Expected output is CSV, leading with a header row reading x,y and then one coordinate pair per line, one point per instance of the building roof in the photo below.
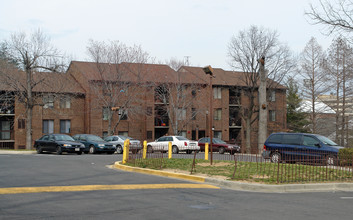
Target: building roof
x,y
159,73
320,107
44,82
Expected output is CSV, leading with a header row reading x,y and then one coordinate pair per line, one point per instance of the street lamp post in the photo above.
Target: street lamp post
x,y
209,71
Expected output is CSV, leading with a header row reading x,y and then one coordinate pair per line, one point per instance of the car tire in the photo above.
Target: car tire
x,y
175,149
149,149
221,150
79,153
331,160
188,151
92,149
275,157
119,149
39,150
58,151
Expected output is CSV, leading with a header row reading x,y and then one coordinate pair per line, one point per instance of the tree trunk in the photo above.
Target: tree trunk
x,y
29,129
262,109
248,134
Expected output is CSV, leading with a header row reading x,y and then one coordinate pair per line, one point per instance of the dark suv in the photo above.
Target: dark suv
x,y
300,147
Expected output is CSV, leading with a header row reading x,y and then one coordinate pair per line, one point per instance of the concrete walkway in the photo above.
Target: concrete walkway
x,y
17,152
242,186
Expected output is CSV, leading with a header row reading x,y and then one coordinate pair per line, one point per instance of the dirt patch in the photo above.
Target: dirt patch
x,y
195,174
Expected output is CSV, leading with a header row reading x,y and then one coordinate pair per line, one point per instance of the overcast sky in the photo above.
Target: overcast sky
x,y
198,29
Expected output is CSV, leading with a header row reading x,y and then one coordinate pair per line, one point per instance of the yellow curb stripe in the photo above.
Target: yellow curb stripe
x,y
159,173
16,190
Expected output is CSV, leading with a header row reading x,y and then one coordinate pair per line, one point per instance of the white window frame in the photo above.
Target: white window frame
x,y
181,114
65,126
217,114
272,97
50,126
272,115
65,102
48,101
217,92
217,134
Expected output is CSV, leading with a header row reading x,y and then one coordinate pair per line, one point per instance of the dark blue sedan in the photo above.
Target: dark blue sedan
x,y
58,143
95,144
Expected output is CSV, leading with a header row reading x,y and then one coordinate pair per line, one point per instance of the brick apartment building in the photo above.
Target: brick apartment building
x,y
160,101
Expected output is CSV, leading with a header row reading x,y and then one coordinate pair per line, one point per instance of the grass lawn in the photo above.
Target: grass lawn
x,y
269,173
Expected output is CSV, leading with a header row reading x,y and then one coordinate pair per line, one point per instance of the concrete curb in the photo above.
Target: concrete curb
x,y
17,152
253,187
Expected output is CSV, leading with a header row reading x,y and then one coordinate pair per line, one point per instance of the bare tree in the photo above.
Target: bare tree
x,y
335,16
244,51
118,81
340,70
312,63
32,53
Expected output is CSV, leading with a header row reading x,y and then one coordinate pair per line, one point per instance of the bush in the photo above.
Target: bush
x,y
346,156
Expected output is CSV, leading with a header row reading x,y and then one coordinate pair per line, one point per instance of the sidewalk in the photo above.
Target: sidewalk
x,y
17,152
243,186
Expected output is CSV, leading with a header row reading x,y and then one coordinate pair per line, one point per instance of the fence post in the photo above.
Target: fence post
x,y
170,150
144,149
206,151
126,151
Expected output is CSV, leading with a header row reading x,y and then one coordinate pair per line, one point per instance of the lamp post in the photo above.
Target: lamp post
x,y
209,71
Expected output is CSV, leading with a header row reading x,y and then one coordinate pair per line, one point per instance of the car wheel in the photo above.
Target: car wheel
x,y
79,153
39,150
58,150
331,160
221,150
149,149
175,150
119,149
188,151
275,157
92,149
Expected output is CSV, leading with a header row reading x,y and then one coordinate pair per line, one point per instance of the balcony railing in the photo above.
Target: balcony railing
x,y
234,100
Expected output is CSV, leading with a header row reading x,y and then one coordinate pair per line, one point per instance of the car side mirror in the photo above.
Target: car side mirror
x,y
317,145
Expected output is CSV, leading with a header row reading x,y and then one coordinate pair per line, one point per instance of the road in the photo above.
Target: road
x,y
49,170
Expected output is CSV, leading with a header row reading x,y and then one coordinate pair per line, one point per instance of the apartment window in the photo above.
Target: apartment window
x,y
217,114
123,114
272,96
149,111
193,93
48,101
217,93
272,115
48,126
217,134
181,114
123,133
193,114
5,130
65,102
149,134
65,126
105,113
182,133
21,123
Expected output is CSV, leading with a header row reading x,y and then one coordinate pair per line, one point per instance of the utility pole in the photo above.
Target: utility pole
x,y
262,105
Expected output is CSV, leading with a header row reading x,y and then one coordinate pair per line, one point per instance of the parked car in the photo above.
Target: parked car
x,y
118,141
219,146
58,143
179,144
95,144
301,147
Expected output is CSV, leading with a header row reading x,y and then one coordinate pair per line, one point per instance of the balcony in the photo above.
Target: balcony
x,y
162,122
234,100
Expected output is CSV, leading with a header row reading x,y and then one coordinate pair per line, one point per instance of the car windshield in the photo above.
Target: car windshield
x,y
218,141
126,137
94,138
326,141
63,138
180,138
